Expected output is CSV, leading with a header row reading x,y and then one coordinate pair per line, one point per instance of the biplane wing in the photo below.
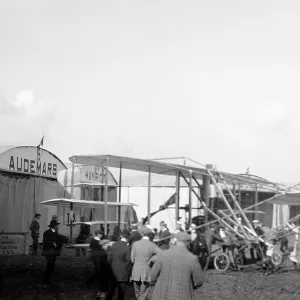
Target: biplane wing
x,y
159,167
98,222
245,211
83,203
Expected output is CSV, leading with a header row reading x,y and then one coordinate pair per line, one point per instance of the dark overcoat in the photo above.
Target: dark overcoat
x,y
119,259
51,243
177,273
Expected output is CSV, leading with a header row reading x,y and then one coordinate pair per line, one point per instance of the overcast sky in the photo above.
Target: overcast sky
x,y
216,81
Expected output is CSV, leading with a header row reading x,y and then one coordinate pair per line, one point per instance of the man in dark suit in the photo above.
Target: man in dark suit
x,y
51,249
163,234
177,272
135,235
119,258
35,233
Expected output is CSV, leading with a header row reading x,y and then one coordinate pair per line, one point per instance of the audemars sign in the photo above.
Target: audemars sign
x,y
24,160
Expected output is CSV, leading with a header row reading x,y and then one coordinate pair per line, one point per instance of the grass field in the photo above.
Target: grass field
x,y
22,276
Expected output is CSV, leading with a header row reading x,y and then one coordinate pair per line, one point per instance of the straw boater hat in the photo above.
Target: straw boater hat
x,y
37,215
256,222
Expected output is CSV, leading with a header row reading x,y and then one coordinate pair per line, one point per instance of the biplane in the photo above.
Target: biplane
x,y
195,178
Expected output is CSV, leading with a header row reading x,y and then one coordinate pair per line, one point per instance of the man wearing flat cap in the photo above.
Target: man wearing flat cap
x,y
51,249
162,235
35,233
141,254
177,272
119,259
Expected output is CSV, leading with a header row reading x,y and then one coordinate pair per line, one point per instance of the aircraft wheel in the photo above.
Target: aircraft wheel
x,y
221,262
277,259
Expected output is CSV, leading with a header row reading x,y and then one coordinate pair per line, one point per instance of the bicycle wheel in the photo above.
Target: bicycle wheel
x,y
277,259
221,262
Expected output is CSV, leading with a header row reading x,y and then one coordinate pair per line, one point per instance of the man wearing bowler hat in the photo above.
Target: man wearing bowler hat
x,y
162,235
51,249
176,272
35,233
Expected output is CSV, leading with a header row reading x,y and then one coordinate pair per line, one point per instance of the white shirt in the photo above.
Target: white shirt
x,y
145,238
53,229
97,238
123,240
164,229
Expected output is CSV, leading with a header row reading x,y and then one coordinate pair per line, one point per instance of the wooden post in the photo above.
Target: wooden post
x,y
190,198
255,201
72,197
120,194
149,195
234,193
106,197
177,184
226,202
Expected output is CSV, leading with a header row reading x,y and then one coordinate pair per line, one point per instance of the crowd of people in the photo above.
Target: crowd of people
x,y
157,270
169,268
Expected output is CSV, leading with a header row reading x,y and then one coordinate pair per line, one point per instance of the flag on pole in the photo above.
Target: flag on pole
x,y
248,170
38,156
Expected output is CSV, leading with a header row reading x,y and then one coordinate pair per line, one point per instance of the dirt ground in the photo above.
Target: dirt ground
x,y
22,276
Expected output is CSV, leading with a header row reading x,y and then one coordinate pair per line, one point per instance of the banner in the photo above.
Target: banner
x,y
14,244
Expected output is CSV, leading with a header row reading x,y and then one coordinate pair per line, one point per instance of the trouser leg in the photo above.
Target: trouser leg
x,y
49,269
137,289
144,290
35,242
121,290
112,289
83,251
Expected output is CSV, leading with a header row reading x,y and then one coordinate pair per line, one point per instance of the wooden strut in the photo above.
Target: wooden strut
x,y
211,212
120,196
72,197
226,202
237,205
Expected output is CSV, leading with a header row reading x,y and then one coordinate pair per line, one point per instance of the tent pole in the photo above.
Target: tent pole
x,y
149,194
120,194
190,199
177,197
72,197
106,197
